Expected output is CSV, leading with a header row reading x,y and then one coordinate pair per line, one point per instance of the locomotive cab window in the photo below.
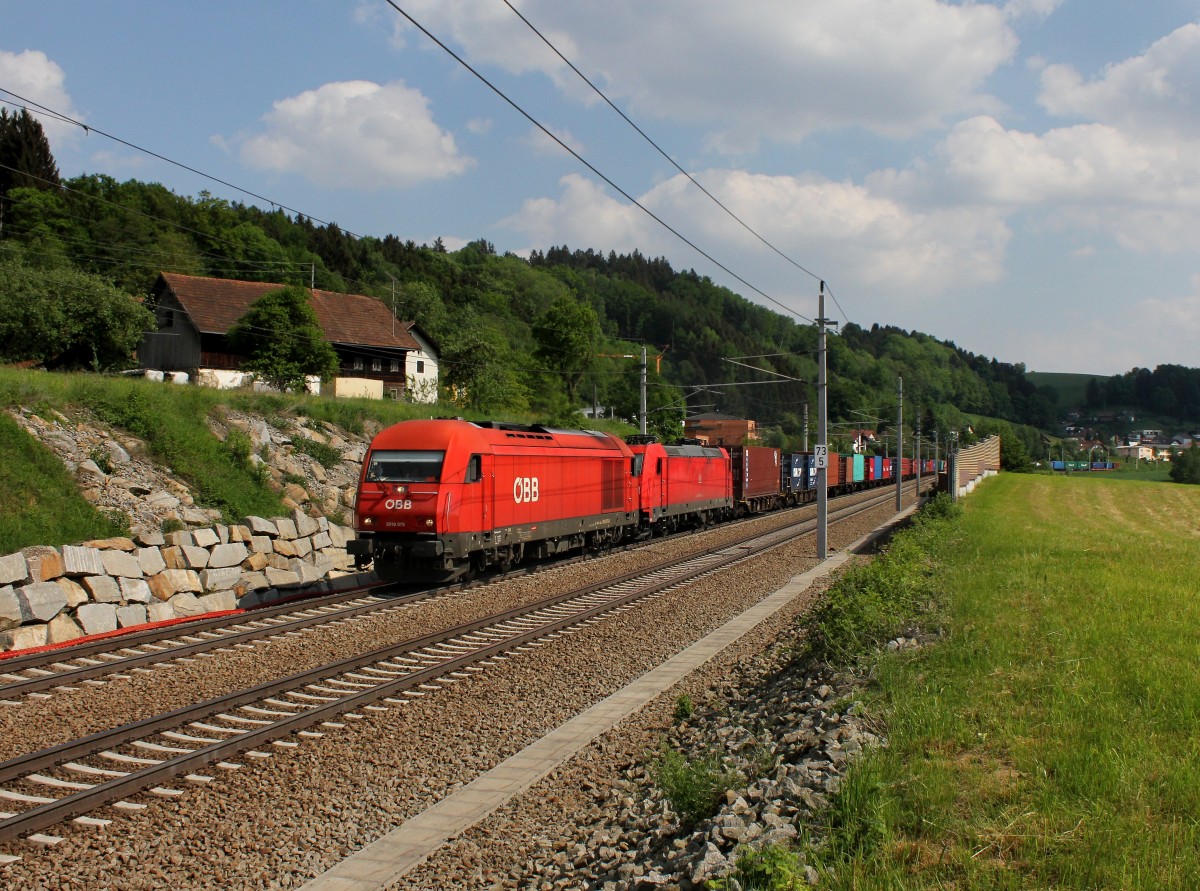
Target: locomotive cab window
x,y
636,463
475,469
404,467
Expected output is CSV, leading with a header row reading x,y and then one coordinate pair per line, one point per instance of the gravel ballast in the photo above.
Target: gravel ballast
x,y
277,822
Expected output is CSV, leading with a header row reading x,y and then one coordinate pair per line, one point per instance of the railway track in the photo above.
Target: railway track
x,y
73,780
40,674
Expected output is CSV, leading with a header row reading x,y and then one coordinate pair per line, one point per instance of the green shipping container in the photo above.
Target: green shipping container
x,y
860,468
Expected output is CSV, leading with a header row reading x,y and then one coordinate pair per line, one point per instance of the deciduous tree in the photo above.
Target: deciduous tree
x,y
282,337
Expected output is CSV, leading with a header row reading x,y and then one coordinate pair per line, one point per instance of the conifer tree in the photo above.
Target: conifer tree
x,y
25,157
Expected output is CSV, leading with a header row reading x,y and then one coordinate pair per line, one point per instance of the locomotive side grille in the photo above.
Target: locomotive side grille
x,y
612,485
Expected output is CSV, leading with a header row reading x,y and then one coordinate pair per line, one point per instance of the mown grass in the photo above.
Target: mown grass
x,y
1053,739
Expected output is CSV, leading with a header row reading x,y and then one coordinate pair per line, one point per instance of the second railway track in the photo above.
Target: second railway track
x,y
107,767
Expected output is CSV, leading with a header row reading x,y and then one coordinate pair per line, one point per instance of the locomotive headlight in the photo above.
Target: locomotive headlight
x,y
399,490
368,521
429,522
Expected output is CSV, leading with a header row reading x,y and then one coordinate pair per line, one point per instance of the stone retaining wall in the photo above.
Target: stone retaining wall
x,y
50,595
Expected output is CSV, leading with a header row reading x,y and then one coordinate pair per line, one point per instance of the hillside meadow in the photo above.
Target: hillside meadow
x,y
1052,739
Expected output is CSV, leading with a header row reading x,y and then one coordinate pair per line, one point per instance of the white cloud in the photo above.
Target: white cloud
x,y
1171,325
1092,177
541,144
761,69
850,235
1156,94
1022,9
34,76
356,134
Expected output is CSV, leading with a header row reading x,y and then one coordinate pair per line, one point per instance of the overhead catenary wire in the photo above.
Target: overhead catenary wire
x,y
666,155
613,185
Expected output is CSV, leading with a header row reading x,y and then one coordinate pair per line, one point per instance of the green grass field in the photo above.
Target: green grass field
x,y
1053,739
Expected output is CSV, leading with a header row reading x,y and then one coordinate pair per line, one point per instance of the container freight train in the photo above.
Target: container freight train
x,y
442,499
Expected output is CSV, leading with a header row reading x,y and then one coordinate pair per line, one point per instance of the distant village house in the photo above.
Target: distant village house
x,y
378,355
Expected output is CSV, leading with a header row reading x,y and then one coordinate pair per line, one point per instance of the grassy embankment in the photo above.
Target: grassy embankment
x,y
1053,739
39,501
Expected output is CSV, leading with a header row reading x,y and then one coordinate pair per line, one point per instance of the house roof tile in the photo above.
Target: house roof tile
x,y
214,304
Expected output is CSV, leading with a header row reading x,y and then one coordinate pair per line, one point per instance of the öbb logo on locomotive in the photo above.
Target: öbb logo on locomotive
x,y
525,489
398,504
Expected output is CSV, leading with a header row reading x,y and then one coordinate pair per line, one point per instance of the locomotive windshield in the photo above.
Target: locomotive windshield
x,y
404,467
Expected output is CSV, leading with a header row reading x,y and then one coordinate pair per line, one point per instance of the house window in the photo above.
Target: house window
x,y
420,367
358,364
376,365
169,319
395,366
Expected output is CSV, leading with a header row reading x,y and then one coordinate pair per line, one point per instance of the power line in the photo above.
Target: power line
x,y
658,148
89,129
628,197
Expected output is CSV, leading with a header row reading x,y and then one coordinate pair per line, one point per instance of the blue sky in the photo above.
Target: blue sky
x,y
1020,177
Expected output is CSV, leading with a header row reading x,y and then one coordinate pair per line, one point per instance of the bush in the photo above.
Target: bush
x,y
326,455
694,788
684,707
774,868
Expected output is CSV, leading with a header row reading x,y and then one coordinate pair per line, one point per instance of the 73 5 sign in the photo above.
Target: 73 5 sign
x,y
821,456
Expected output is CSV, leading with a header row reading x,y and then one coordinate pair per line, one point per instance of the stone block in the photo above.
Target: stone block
x,y
157,611
135,590
194,557
260,526
82,560
255,562
40,602
282,578
305,525
75,593
303,546
240,533
10,609
131,615
186,604
287,528
45,563
218,601
14,569
285,547
111,544
321,540
180,538
261,544
277,561
251,581
62,628
305,570
218,579
170,582
24,638
222,533
97,618
151,561
102,588
120,563
173,557
205,538
150,538
227,555
322,563
337,535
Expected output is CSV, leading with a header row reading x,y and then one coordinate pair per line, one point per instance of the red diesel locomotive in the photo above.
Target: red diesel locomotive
x,y
442,499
